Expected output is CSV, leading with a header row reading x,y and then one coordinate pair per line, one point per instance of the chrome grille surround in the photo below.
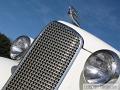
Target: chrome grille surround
x,y
48,60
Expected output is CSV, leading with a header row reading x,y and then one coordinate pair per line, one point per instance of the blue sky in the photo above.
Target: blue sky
x,y
28,17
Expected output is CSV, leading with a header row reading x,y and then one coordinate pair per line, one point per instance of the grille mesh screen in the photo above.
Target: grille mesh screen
x,y
47,60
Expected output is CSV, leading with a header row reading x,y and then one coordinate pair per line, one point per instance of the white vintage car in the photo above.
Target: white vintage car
x,y
63,57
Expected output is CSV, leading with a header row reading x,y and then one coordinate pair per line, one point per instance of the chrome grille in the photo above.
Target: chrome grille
x,y
47,60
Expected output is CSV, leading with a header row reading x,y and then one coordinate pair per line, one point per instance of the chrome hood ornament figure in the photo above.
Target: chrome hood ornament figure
x,y
73,14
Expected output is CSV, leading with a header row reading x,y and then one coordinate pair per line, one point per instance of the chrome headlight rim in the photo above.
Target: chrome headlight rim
x,y
115,65
14,44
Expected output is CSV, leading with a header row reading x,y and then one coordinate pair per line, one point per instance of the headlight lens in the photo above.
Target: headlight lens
x,y
101,67
19,47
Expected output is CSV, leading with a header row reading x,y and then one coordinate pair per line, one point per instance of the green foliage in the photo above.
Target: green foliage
x,y
5,44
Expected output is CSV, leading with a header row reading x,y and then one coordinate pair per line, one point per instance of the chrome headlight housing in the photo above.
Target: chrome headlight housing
x,y
101,67
20,46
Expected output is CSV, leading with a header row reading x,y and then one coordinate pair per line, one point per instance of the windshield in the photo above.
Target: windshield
x,y
28,17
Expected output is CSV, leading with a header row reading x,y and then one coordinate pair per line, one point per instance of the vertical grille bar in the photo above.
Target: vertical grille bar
x,y
47,60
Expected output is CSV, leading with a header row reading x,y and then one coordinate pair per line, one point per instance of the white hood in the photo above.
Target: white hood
x,y
5,69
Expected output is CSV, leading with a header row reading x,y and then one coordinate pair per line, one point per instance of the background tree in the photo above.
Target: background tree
x,y
5,44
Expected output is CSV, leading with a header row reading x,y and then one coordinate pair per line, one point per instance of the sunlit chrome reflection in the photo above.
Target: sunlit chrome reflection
x,y
20,46
101,67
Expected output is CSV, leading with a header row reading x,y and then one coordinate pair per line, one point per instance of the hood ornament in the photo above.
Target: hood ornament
x,y
73,15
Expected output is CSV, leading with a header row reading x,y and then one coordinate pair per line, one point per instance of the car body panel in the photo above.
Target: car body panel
x,y
74,79
91,42
5,69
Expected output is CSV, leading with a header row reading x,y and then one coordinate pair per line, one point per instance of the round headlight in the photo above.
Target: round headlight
x,y
101,67
20,46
